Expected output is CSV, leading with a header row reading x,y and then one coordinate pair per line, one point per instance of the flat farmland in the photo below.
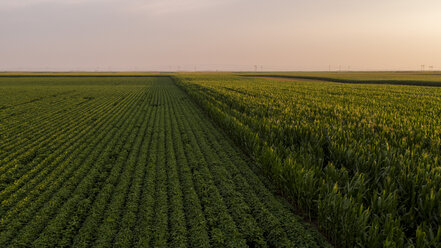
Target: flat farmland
x,y
129,162
423,78
358,152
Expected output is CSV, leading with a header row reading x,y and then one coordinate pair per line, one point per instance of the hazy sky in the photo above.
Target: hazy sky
x,y
219,34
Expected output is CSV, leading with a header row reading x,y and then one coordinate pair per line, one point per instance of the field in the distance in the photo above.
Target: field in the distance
x,y
128,162
426,78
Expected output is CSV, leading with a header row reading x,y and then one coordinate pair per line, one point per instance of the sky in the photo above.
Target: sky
x,y
234,35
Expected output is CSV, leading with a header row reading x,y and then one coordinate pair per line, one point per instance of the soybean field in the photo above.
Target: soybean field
x,y
118,161
358,152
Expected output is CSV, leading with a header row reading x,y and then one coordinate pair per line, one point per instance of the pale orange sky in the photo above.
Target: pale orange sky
x,y
219,34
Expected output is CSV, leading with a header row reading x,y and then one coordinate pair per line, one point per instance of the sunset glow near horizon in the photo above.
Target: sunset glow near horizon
x,y
170,35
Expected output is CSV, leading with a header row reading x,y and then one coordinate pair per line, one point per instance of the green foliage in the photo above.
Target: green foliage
x,y
128,162
362,159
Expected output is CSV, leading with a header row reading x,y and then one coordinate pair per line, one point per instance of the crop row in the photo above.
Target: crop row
x,y
231,217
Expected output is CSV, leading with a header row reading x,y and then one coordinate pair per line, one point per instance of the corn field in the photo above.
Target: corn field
x,y
364,160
